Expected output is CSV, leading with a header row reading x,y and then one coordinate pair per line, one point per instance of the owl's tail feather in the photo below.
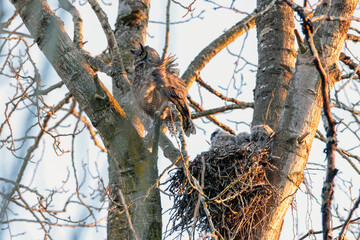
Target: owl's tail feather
x,y
184,110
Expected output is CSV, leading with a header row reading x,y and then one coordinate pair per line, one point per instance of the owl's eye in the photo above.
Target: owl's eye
x,y
143,54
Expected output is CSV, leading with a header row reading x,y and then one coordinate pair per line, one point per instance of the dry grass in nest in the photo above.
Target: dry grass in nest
x,y
235,192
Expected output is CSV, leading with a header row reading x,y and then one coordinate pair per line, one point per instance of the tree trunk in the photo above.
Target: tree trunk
x,y
301,113
133,177
275,34
132,169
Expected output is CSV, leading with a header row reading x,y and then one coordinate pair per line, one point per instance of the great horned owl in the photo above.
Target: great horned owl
x,y
221,138
243,138
260,133
156,83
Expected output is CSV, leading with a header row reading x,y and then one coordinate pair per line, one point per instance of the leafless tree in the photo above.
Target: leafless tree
x,y
307,68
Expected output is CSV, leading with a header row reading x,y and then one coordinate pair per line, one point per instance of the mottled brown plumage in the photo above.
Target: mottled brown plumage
x,y
156,83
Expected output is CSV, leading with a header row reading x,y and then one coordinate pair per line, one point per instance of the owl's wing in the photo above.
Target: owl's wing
x,y
174,90
169,84
146,92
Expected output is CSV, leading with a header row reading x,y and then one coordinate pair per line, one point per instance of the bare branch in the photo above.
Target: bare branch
x,y
167,30
21,186
127,214
197,107
188,8
353,38
213,91
77,20
346,155
348,219
351,64
220,43
312,232
332,18
225,108
49,89
110,36
90,128
29,154
17,33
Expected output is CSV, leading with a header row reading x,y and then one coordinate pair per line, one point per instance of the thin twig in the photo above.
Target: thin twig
x,y
197,107
29,154
350,63
312,232
114,48
216,93
225,108
220,43
167,30
348,219
90,128
22,186
127,214
346,155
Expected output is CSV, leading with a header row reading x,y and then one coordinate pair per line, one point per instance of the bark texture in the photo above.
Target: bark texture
x,y
301,113
275,34
131,167
134,178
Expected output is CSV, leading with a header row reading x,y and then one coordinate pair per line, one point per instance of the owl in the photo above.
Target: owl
x,y
221,138
261,133
243,138
156,83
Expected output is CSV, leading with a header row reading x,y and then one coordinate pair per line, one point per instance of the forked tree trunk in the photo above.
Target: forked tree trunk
x,y
301,112
276,61
134,177
293,109
131,168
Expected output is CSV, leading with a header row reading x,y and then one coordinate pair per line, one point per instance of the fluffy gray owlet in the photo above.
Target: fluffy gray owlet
x,y
220,138
243,138
156,83
260,133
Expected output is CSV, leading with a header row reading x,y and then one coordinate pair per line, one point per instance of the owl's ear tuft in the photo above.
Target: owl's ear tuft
x,y
141,46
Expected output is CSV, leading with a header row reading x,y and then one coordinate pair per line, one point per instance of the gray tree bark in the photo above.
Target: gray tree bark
x,y
132,169
301,111
293,109
276,54
134,178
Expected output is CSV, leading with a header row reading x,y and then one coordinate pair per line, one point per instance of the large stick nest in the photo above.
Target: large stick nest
x,y
235,192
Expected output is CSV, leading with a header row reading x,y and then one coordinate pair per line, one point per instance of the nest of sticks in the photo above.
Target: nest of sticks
x,y
229,196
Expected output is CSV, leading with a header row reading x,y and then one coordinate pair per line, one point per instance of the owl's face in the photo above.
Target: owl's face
x,y
145,54
214,134
220,138
261,133
243,138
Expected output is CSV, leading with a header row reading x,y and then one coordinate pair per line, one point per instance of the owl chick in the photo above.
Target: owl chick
x,y
243,138
156,83
221,138
260,133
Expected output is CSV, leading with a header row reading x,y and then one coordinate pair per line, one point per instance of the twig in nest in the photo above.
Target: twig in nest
x,y
234,192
